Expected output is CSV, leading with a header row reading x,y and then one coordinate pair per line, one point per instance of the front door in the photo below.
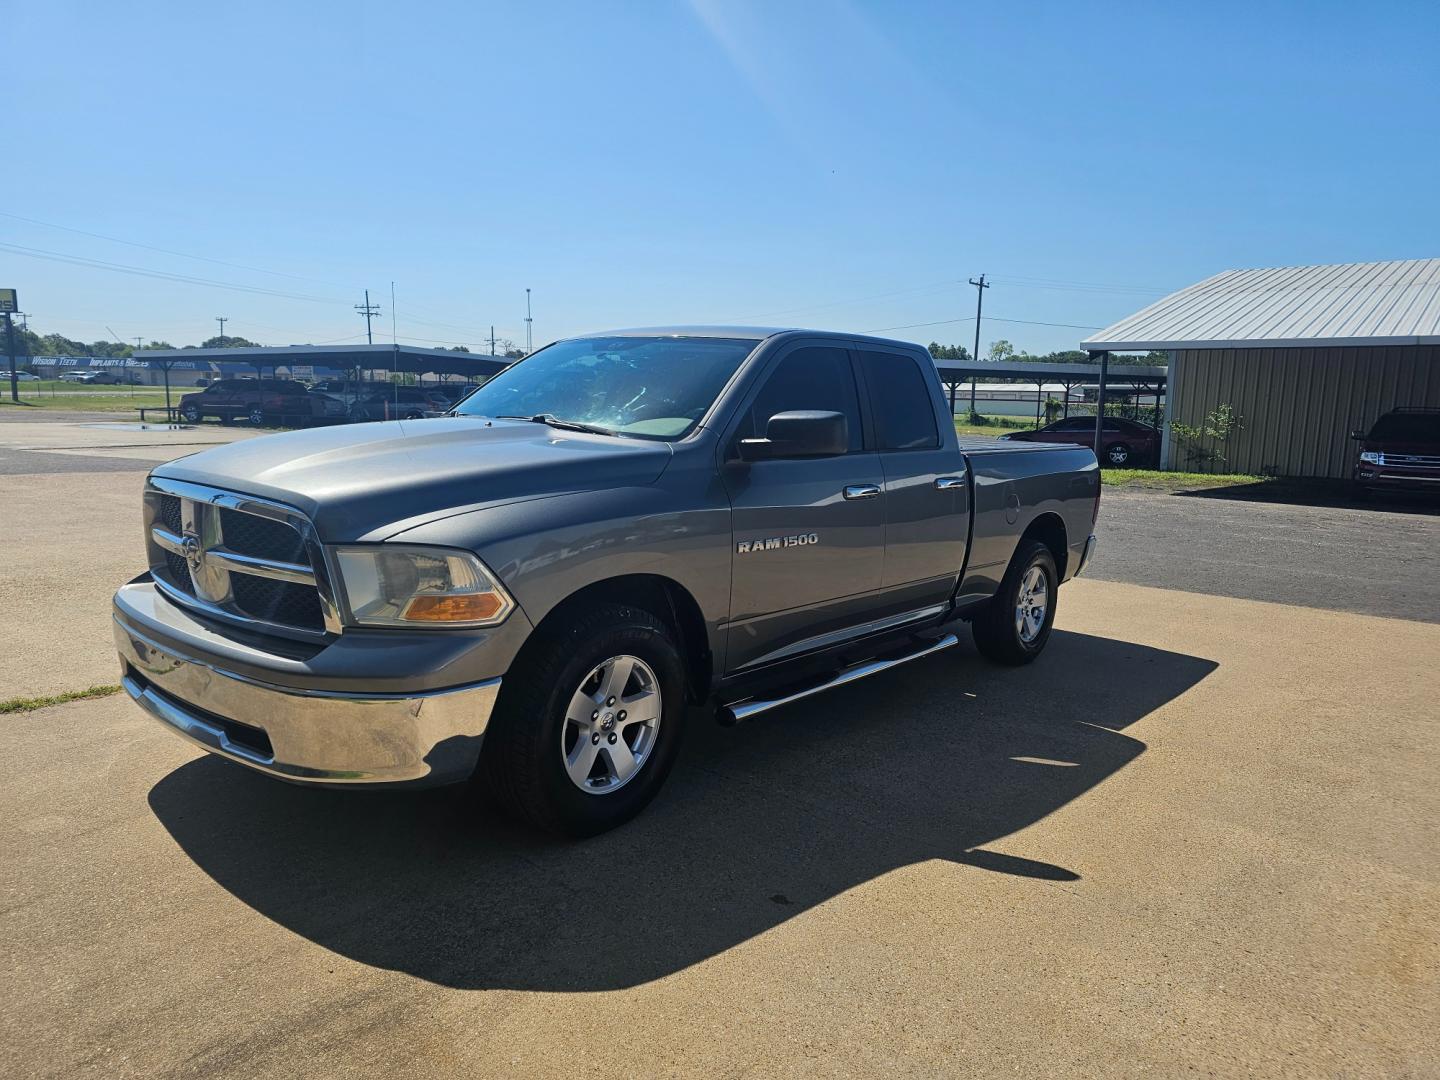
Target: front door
x,y
808,535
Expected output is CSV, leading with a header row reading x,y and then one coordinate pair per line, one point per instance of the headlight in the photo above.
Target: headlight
x,y
403,585
1373,457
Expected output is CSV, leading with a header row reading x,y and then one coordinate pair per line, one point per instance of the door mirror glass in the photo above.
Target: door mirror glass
x,y
799,434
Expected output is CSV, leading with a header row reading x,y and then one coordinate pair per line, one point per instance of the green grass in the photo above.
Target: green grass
x,y
1153,480
29,704
121,400
996,425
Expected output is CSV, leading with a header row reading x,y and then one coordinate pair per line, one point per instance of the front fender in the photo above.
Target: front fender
x,y
548,549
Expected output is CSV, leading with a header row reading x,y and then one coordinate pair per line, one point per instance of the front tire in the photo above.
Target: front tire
x,y
588,723
257,415
1016,624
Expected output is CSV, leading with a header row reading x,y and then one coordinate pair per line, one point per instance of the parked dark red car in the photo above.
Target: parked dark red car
x,y
260,401
1122,442
1400,451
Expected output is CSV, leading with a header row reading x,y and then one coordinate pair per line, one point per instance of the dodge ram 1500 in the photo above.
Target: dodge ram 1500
x,y
533,593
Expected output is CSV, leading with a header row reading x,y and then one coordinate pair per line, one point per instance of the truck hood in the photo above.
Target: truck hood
x,y
370,481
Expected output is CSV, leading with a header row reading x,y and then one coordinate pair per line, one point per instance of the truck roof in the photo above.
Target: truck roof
x,y
756,333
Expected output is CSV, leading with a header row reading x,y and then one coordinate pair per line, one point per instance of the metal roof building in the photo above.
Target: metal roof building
x,y
1304,354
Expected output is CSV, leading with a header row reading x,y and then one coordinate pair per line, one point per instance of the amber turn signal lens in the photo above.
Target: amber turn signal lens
x,y
464,607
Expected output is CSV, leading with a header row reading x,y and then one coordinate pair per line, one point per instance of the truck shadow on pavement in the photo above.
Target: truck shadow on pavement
x,y
942,759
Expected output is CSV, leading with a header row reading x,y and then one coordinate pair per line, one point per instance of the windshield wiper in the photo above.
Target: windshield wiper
x,y
567,425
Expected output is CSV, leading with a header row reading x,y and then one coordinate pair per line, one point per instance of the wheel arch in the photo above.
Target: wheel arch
x,y
1049,529
663,597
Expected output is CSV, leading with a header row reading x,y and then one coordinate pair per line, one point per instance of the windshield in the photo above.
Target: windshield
x,y
651,387
1417,427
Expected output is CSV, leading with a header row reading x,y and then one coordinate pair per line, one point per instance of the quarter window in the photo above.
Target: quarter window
x,y
900,400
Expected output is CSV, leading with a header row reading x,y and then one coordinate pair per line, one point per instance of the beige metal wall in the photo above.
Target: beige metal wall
x,y
1298,406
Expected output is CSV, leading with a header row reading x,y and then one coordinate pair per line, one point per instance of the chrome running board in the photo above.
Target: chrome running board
x,y
733,714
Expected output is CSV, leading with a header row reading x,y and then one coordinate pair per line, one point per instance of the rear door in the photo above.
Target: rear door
x,y
808,534
927,497
221,395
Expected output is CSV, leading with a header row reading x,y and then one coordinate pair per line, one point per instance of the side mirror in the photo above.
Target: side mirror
x,y
1358,436
799,434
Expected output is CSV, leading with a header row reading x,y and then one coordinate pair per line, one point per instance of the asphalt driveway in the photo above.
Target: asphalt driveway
x,y
1381,558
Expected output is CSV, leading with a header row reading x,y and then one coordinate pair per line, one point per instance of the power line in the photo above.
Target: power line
x,y
163,275
855,300
167,251
971,318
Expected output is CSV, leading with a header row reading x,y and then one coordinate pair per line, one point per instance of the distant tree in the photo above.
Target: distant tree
x,y
109,348
949,352
459,348
28,343
513,353
228,342
1001,351
60,345
159,345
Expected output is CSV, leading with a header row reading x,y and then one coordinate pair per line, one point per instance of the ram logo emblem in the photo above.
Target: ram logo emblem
x,y
773,543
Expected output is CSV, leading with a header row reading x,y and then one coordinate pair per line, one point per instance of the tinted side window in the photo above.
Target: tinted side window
x,y
900,400
808,379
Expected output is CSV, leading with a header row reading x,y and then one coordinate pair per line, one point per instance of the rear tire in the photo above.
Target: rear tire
x,y
532,737
1118,454
191,414
1008,631
257,415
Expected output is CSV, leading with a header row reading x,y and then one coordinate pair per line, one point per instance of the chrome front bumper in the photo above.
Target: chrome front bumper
x,y
320,737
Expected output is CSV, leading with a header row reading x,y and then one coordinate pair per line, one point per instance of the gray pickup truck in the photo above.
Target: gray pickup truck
x,y
533,593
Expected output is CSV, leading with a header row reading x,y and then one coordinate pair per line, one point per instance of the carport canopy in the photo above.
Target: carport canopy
x,y
405,359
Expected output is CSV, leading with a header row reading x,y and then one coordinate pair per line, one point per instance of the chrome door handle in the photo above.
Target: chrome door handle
x,y
861,491
949,483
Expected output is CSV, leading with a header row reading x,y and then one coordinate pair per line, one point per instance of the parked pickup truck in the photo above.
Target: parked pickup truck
x,y
533,593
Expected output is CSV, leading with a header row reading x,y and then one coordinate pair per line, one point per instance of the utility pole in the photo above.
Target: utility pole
x,y
10,350
369,310
980,287
222,320
139,343
492,340
529,343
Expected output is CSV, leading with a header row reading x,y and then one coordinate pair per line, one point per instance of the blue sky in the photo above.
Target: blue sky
x,y
832,163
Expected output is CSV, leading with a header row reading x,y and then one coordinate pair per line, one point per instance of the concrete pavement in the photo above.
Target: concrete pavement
x,y
1200,835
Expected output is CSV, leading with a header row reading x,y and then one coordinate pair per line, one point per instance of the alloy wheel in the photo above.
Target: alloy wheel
x,y
1033,603
611,725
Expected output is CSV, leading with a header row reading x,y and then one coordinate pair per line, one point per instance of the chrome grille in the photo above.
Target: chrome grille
x,y
235,557
1410,461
